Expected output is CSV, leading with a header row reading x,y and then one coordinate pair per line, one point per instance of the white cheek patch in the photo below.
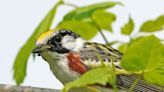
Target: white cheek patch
x,y
67,39
68,42
72,44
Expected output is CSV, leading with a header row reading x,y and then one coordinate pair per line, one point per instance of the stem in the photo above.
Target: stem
x,y
134,83
13,88
114,76
72,5
102,34
99,29
135,35
131,39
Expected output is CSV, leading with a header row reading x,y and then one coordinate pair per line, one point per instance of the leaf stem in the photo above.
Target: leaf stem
x,y
134,83
102,34
99,29
72,5
114,77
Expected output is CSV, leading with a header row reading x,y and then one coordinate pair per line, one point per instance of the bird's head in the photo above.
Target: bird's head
x,y
60,41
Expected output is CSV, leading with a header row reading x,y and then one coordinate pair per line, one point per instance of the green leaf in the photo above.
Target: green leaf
x,y
153,25
103,75
84,29
123,47
104,19
128,28
156,76
86,11
20,63
144,54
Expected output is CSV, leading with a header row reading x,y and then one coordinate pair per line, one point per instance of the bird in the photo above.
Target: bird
x,y
70,56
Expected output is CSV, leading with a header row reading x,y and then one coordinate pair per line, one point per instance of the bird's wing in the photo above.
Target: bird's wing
x,y
90,56
93,53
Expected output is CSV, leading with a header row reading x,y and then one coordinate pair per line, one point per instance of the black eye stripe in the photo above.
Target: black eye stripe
x,y
55,41
61,33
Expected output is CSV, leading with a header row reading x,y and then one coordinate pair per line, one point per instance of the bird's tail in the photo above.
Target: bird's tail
x,y
126,81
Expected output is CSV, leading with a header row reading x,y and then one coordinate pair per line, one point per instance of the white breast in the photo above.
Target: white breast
x,y
59,66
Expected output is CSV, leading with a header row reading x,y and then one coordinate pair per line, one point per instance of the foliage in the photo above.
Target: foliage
x,y
24,52
103,76
85,12
123,47
147,59
83,29
142,55
153,25
128,28
104,19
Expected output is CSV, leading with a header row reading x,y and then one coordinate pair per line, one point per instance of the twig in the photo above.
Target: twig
x,y
99,29
114,75
102,34
134,83
12,88
72,5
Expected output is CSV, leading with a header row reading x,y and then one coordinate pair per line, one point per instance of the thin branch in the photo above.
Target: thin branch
x,y
99,29
102,34
135,83
12,88
114,75
72,5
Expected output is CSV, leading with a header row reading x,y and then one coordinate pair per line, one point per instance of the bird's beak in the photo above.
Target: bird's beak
x,y
41,48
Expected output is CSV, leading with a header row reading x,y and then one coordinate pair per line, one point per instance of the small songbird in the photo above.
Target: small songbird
x,y
69,55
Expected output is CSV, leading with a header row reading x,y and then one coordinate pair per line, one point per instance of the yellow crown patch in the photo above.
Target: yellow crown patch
x,y
44,37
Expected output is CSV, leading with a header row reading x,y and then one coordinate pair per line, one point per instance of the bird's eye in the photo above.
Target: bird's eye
x,y
54,40
57,38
